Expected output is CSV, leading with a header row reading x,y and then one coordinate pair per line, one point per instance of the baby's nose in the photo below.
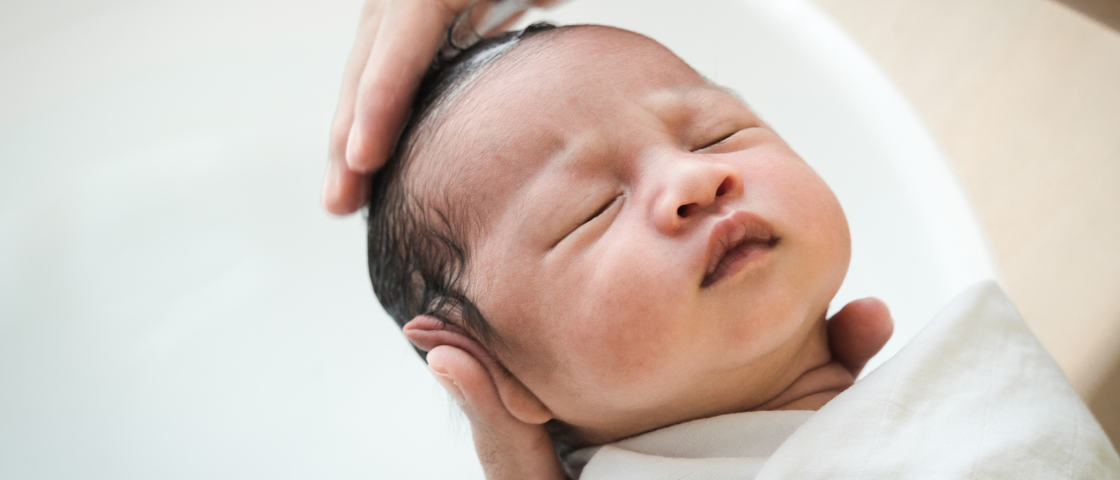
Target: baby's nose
x,y
694,188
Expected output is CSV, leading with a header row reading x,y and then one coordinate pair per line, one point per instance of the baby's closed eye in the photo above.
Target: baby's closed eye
x,y
718,139
595,222
602,209
737,140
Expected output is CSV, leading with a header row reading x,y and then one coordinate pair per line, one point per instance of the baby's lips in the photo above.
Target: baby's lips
x,y
732,232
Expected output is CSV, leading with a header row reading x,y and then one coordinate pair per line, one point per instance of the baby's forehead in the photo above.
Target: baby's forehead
x,y
538,103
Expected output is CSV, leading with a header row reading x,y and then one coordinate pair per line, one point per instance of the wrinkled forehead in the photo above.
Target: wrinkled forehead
x,y
530,109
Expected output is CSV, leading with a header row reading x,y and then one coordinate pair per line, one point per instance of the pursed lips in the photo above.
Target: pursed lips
x,y
736,241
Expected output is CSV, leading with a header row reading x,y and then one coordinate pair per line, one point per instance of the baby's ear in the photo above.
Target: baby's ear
x,y
427,333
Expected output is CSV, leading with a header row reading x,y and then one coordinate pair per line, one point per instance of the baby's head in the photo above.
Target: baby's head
x,y
632,243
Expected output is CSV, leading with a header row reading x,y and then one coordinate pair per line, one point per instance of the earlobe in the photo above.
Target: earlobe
x,y
427,332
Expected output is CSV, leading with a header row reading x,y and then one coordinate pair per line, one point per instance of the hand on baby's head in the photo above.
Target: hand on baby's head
x,y
632,245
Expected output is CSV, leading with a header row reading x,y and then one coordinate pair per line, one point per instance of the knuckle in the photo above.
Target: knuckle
x,y
447,9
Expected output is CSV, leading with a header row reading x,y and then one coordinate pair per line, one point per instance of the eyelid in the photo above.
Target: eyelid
x,y
718,140
602,209
598,213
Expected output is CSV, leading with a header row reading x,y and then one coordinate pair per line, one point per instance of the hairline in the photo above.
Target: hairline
x,y
438,219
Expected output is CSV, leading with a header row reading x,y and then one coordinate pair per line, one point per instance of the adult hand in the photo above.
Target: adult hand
x,y
858,331
510,448
396,42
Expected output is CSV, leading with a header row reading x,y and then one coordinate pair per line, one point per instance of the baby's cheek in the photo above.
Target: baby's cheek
x,y
628,326
613,366
804,208
811,201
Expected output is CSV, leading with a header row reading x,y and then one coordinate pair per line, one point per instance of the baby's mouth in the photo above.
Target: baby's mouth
x,y
736,242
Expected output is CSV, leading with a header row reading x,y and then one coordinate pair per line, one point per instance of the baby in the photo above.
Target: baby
x,y
630,241
630,244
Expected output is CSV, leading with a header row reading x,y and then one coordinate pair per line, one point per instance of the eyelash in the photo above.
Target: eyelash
x,y
602,209
718,141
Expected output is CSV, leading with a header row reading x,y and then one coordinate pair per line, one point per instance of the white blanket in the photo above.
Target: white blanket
x,y
974,395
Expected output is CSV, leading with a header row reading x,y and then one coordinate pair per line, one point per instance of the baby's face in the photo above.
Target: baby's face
x,y
646,248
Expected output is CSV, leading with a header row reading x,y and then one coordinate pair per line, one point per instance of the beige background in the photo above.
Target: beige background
x,y
1024,96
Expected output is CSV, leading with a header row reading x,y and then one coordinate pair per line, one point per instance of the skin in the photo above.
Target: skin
x,y
597,171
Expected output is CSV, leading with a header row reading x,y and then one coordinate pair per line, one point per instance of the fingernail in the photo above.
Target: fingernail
x,y
352,148
449,383
331,185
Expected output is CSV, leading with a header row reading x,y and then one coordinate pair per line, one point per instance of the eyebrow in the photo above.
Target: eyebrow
x,y
695,99
711,84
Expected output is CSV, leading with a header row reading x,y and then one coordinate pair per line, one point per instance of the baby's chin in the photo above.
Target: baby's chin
x,y
799,375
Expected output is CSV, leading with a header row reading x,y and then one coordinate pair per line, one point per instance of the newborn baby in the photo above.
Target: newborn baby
x,y
630,241
630,244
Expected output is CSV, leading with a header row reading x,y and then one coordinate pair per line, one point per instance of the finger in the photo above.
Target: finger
x,y
344,190
858,331
504,25
428,332
509,22
472,385
355,64
409,35
506,447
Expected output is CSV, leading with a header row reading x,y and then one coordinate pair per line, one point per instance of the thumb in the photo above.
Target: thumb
x,y
470,383
858,331
507,447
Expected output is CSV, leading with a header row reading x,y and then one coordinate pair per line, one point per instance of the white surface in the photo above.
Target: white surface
x,y
174,303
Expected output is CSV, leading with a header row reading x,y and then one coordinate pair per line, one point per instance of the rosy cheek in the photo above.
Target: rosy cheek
x,y
615,362
627,324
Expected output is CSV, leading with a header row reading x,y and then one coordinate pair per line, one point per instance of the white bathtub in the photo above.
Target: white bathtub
x,y
175,304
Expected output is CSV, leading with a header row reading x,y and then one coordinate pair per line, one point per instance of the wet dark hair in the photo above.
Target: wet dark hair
x,y
417,256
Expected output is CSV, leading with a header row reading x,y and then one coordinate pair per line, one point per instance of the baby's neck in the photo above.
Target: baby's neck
x,y
812,389
821,379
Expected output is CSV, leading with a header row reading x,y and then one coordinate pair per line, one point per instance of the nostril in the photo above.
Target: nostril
x,y
682,211
723,187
